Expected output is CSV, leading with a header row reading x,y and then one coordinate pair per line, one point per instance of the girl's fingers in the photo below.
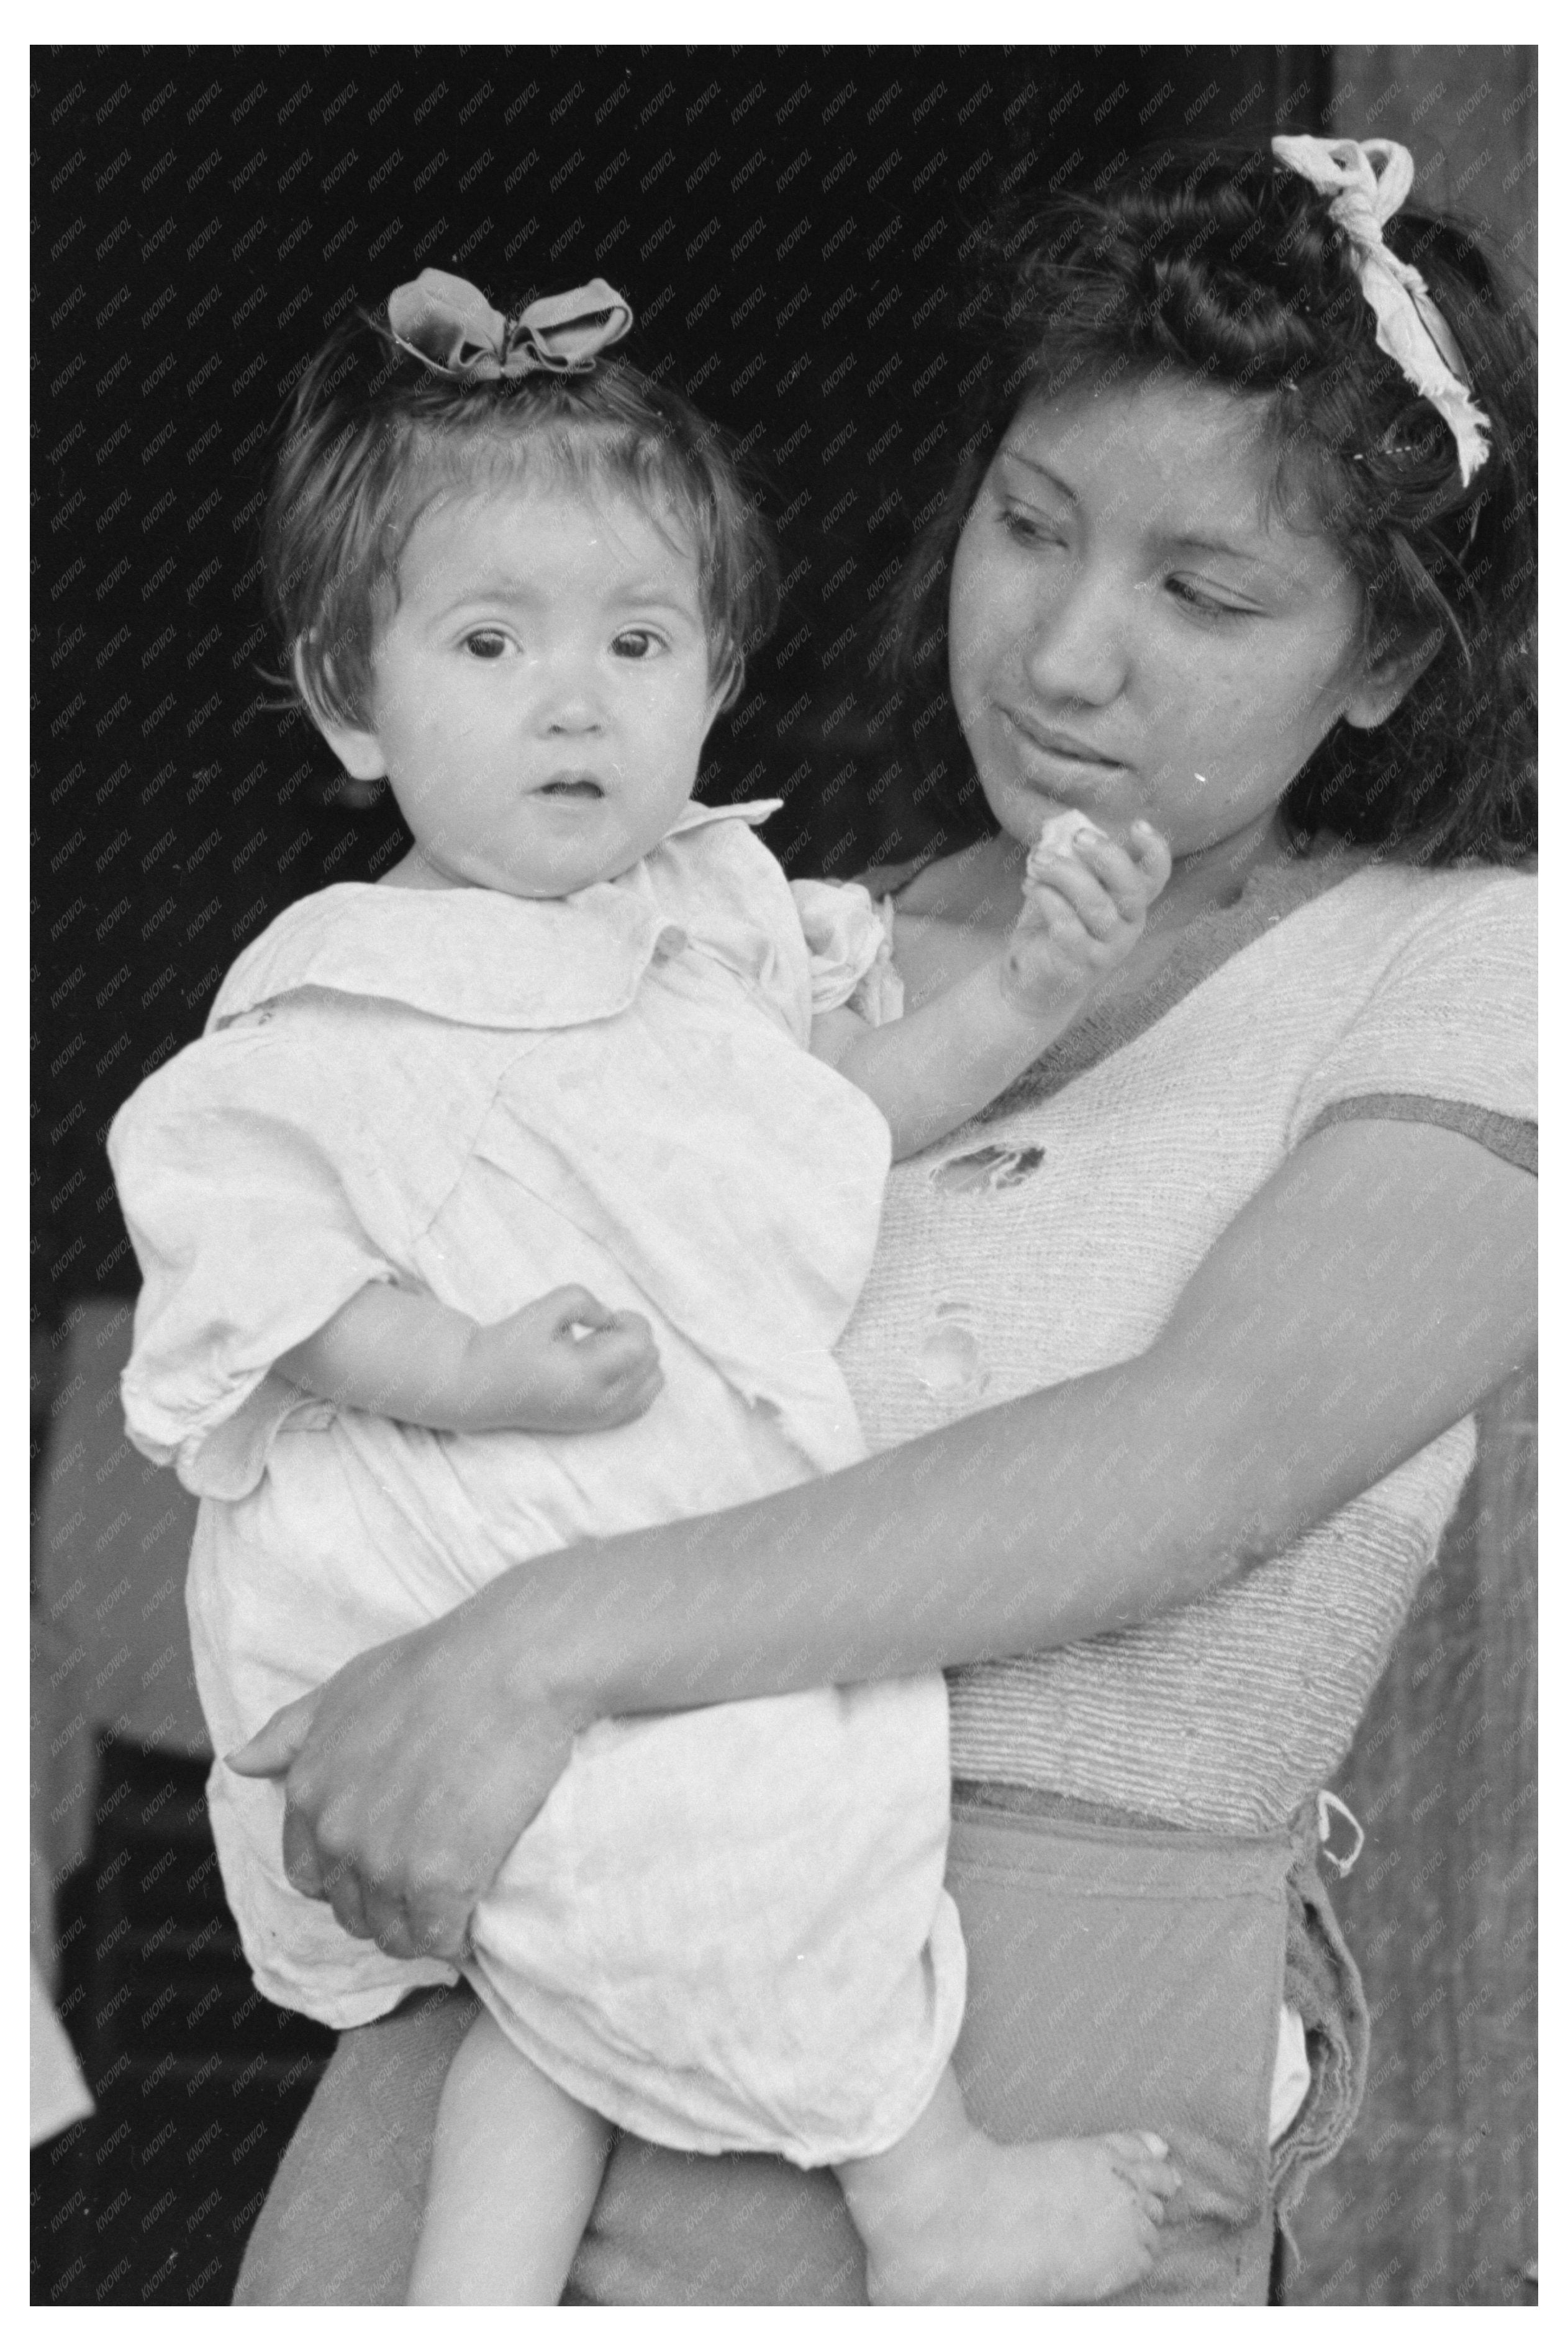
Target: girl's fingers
x,y
301,1860
575,1304
1152,851
1125,873
1048,908
620,1375
641,1352
344,1892
1083,891
618,1350
427,1930
390,1927
632,1405
269,1755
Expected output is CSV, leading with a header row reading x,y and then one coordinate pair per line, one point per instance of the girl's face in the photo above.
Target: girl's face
x,y
1133,633
541,692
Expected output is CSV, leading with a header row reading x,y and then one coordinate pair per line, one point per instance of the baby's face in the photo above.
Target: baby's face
x,y
541,692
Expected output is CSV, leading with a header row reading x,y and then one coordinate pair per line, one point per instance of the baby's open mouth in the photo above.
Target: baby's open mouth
x,y
574,787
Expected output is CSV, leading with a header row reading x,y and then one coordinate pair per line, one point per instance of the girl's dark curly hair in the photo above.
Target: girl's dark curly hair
x,y
375,436
1225,267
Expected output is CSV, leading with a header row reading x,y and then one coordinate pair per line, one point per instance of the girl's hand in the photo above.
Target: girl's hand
x,y
1083,912
562,1365
409,1777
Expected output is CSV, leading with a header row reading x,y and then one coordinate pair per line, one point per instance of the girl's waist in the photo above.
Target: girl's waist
x,y
1015,1797
1046,1833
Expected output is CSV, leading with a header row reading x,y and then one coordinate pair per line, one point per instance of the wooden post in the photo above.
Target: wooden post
x,y
1433,2199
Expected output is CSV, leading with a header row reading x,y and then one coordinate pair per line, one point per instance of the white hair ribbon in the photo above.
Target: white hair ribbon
x,y
1368,180
448,324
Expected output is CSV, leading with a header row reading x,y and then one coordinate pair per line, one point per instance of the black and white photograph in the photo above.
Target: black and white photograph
x,y
783,1108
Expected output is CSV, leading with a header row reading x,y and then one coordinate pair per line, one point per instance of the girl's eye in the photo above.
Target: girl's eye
x,y
1194,600
485,644
636,645
1030,529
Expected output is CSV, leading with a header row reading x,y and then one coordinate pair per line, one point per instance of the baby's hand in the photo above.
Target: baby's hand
x,y
562,1366
1085,900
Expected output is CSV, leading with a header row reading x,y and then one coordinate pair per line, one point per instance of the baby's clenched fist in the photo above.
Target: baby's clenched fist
x,y
1086,898
560,1365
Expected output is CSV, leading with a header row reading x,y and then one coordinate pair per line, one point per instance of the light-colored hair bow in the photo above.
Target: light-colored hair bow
x,y
448,324
1368,180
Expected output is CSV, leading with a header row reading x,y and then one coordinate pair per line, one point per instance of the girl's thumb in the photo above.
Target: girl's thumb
x,y
575,1304
1149,847
269,1755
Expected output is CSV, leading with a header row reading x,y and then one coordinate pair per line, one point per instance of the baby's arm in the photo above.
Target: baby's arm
x,y
562,1365
1084,905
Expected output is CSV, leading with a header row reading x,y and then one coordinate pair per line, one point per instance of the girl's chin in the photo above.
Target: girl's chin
x,y
1023,810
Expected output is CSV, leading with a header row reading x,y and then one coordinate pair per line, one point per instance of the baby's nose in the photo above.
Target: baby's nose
x,y
570,704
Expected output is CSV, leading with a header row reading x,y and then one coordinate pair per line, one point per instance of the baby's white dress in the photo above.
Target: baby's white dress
x,y
727,1928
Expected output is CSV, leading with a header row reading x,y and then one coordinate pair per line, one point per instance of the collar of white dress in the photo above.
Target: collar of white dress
x,y
479,958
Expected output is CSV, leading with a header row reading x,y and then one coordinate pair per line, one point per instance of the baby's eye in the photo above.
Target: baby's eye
x,y
637,645
485,644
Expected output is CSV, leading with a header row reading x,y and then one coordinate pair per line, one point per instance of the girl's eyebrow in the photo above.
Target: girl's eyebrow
x,y
1035,467
655,592
1189,541
505,588
502,589
1196,543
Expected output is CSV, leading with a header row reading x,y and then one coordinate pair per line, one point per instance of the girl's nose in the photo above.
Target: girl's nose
x,y
572,714
570,702
1077,648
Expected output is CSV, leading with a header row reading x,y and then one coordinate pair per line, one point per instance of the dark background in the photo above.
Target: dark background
x,y
791,228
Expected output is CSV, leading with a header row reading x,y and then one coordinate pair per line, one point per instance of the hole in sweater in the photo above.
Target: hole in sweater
x,y
992,1168
951,1364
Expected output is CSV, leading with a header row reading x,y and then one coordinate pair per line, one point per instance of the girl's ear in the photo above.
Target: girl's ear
x,y
725,692
356,749
1385,685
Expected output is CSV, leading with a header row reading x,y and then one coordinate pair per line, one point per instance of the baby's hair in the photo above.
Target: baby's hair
x,y
1221,266
375,436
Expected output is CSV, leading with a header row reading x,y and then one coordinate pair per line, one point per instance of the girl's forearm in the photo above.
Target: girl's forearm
x,y
933,1069
1021,1527
1305,1360
388,1351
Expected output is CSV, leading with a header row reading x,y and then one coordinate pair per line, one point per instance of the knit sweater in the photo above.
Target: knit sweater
x,y
1054,1236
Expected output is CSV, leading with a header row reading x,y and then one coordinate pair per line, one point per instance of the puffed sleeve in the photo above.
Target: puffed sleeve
x,y
850,939
1447,1037
249,1235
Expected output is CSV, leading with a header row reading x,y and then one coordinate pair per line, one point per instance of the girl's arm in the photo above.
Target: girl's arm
x,y
561,1364
933,1069
928,1073
1374,1290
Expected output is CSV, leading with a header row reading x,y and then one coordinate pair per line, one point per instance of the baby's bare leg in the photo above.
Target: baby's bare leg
x,y
949,2216
515,2172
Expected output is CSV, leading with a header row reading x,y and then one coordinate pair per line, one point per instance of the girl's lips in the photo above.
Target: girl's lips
x,y
574,787
1056,744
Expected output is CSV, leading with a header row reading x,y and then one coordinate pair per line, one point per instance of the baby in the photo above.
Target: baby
x,y
521,1200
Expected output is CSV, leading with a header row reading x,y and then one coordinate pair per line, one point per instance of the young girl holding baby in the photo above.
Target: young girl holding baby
x,y
520,1200
1242,542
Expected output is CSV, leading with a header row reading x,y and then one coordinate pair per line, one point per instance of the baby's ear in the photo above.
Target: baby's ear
x,y
726,689
356,749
